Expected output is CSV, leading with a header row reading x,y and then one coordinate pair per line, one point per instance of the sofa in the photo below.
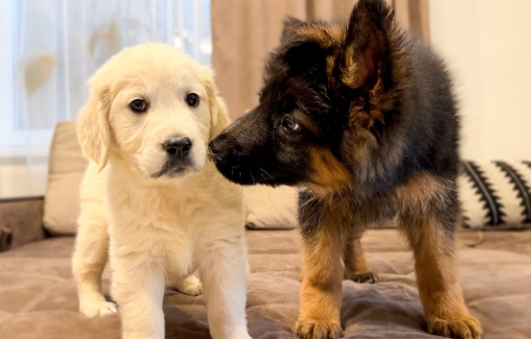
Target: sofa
x,y
38,297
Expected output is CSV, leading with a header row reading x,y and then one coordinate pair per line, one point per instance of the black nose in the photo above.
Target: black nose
x,y
178,148
219,148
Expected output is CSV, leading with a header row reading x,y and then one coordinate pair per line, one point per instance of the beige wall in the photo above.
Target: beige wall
x,y
487,44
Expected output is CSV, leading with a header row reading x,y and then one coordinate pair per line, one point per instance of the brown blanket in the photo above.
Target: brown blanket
x,y
38,298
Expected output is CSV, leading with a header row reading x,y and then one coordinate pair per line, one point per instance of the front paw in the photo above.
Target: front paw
x,y
190,285
313,329
98,308
362,277
464,328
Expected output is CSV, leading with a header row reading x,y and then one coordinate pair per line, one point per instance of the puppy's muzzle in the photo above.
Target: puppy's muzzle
x,y
219,148
178,160
177,148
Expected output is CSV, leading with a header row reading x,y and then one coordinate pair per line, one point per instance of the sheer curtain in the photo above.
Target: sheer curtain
x,y
52,47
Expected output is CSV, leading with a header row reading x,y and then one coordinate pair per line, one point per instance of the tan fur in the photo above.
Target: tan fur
x,y
356,267
439,289
420,191
441,297
336,32
316,33
329,175
321,282
352,75
330,65
326,35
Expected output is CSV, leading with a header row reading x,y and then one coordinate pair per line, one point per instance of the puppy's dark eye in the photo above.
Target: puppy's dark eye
x,y
192,100
138,106
290,124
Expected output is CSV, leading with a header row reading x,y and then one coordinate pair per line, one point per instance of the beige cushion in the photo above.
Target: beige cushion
x,y
271,208
66,169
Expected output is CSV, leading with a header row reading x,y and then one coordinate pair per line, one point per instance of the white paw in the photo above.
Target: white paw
x,y
190,285
98,309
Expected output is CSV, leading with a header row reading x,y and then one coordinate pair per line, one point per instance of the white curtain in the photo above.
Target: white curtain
x,y
52,47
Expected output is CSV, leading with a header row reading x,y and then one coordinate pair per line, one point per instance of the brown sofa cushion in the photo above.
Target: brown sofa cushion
x,y
38,297
66,169
20,222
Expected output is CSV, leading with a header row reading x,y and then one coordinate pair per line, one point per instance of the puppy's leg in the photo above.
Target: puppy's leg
x,y
444,309
322,276
88,263
223,269
356,267
189,285
138,287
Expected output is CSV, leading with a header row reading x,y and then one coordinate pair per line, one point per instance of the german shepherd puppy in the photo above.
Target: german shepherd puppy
x,y
363,119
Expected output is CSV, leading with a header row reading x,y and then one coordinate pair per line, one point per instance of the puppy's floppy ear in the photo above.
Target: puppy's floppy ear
x,y
366,43
93,126
219,118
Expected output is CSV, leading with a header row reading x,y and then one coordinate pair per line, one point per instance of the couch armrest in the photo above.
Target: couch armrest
x,y
20,222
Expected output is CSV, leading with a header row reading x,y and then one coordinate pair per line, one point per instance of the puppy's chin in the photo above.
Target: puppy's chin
x,y
173,171
254,175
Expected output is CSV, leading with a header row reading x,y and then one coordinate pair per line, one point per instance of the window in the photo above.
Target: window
x,y
54,46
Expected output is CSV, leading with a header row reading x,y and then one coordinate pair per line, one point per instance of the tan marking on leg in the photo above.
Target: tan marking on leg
x,y
439,289
422,190
356,267
321,284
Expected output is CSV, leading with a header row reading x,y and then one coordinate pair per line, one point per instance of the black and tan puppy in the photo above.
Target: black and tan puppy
x,y
363,118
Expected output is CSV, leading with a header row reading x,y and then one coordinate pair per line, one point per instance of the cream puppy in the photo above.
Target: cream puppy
x,y
152,200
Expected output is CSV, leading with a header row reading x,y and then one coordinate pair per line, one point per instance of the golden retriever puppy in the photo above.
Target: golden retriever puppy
x,y
152,200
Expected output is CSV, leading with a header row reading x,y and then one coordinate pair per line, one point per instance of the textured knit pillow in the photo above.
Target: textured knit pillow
x,y
495,195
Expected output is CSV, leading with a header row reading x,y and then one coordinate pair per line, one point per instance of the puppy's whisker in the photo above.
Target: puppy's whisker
x,y
252,177
269,175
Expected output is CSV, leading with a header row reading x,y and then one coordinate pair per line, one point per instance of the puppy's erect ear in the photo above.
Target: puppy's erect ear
x,y
366,43
93,126
219,118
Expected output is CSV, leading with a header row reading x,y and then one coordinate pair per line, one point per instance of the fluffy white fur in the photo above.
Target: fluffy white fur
x,y
157,231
